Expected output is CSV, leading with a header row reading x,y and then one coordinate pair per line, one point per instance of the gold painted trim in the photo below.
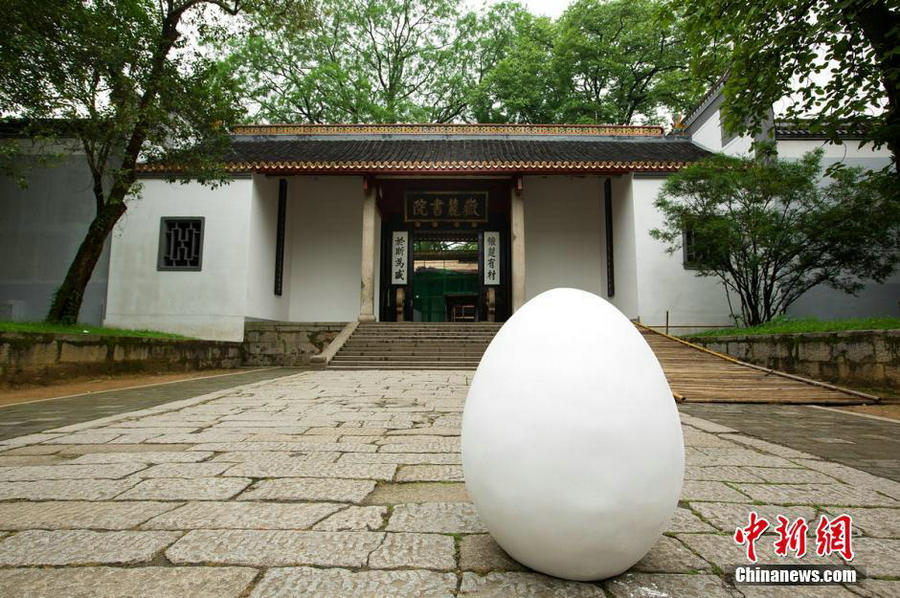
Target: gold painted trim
x,y
422,166
449,129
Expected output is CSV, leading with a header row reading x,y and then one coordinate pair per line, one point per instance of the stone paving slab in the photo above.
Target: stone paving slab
x,y
777,475
82,547
275,457
802,592
419,551
669,555
694,490
430,473
685,520
644,585
79,515
877,588
68,472
327,489
150,457
186,489
270,548
65,489
284,469
421,492
728,516
445,518
184,470
875,522
9,460
881,556
481,554
816,494
342,583
403,458
722,474
69,450
246,515
295,446
524,585
111,582
354,519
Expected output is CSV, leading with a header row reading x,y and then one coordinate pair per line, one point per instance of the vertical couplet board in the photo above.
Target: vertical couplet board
x,y
490,265
400,258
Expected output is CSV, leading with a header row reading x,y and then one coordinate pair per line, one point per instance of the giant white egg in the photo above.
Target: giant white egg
x,y
571,443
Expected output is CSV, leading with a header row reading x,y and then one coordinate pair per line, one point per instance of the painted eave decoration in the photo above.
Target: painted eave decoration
x,y
452,149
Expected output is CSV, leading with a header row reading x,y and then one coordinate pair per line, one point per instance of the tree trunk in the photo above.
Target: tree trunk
x,y
67,300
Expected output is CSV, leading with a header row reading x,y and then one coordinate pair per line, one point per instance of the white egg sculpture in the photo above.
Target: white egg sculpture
x,y
571,442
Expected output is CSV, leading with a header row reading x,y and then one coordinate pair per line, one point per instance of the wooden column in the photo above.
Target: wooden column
x,y
367,285
517,230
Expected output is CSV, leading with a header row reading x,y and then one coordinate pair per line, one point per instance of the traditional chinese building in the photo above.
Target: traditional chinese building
x,y
335,223
403,222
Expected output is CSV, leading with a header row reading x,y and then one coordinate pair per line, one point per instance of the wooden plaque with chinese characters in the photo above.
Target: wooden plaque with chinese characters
x,y
400,258
491,256
445,206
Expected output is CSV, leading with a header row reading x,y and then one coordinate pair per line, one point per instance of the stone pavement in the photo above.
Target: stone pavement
x,y
17,419
865,443
341,484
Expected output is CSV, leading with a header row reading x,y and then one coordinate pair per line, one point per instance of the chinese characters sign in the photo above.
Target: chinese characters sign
x,y
400,257
833,536
446,206
491,257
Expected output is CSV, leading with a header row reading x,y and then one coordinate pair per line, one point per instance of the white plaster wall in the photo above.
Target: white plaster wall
x,y
662,281
208,304
739,146
325,214
624,252
849,152
262,302
709,134
564,234
41,228
824,302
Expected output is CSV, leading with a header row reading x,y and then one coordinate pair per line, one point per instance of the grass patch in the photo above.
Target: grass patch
x,y
82,329
795,326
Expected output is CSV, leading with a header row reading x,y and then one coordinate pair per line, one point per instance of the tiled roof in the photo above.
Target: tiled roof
x,y
448,129
802,129
462,149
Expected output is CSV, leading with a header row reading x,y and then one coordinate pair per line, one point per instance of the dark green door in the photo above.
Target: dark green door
x,y
443,270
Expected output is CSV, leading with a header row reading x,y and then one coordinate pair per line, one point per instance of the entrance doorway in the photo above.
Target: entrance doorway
x,y
445,249
445,278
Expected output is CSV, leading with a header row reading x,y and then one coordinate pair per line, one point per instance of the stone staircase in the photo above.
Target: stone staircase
x,y
415,346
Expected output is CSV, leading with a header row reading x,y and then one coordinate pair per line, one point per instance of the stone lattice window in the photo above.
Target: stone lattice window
x,y
180,244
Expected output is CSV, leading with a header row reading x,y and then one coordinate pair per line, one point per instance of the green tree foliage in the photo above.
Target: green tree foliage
x,y
618,61
361,61
522,86
836,60
769,231
127,79
621,59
